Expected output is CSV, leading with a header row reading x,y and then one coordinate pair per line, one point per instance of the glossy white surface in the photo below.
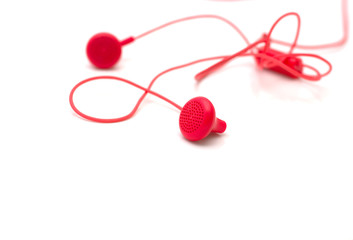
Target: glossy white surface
x,y
282,170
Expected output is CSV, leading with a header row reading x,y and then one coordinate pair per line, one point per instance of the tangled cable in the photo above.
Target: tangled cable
x,y
193,115
288,64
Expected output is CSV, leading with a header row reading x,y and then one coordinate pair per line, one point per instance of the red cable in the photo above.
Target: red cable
x,y
267,61
112,120
342,41
192,18
146,91
270,61
216,66
268,36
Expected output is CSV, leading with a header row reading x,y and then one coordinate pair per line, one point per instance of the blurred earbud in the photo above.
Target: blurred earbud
x,y
104,49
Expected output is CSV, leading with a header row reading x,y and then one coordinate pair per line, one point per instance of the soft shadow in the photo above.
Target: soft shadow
x,y
212,140
119,65
277,85
285,88
79,117
116,67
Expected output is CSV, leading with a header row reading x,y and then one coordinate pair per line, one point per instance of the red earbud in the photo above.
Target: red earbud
x,y
198,119
104,49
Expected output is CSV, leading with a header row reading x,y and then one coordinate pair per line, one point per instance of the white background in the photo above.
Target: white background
x,y
282,170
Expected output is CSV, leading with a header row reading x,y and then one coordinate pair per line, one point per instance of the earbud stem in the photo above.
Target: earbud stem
x,y
220,126
127,41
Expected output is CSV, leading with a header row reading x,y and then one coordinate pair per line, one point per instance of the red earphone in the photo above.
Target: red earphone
x,y
104,49
198,117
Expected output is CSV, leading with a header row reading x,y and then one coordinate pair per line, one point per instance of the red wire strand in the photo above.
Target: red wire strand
x,y
341,42
112,120
292,46
193,18
216,66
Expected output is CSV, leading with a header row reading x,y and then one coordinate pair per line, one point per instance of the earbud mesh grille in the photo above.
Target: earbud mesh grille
x,y
191,117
